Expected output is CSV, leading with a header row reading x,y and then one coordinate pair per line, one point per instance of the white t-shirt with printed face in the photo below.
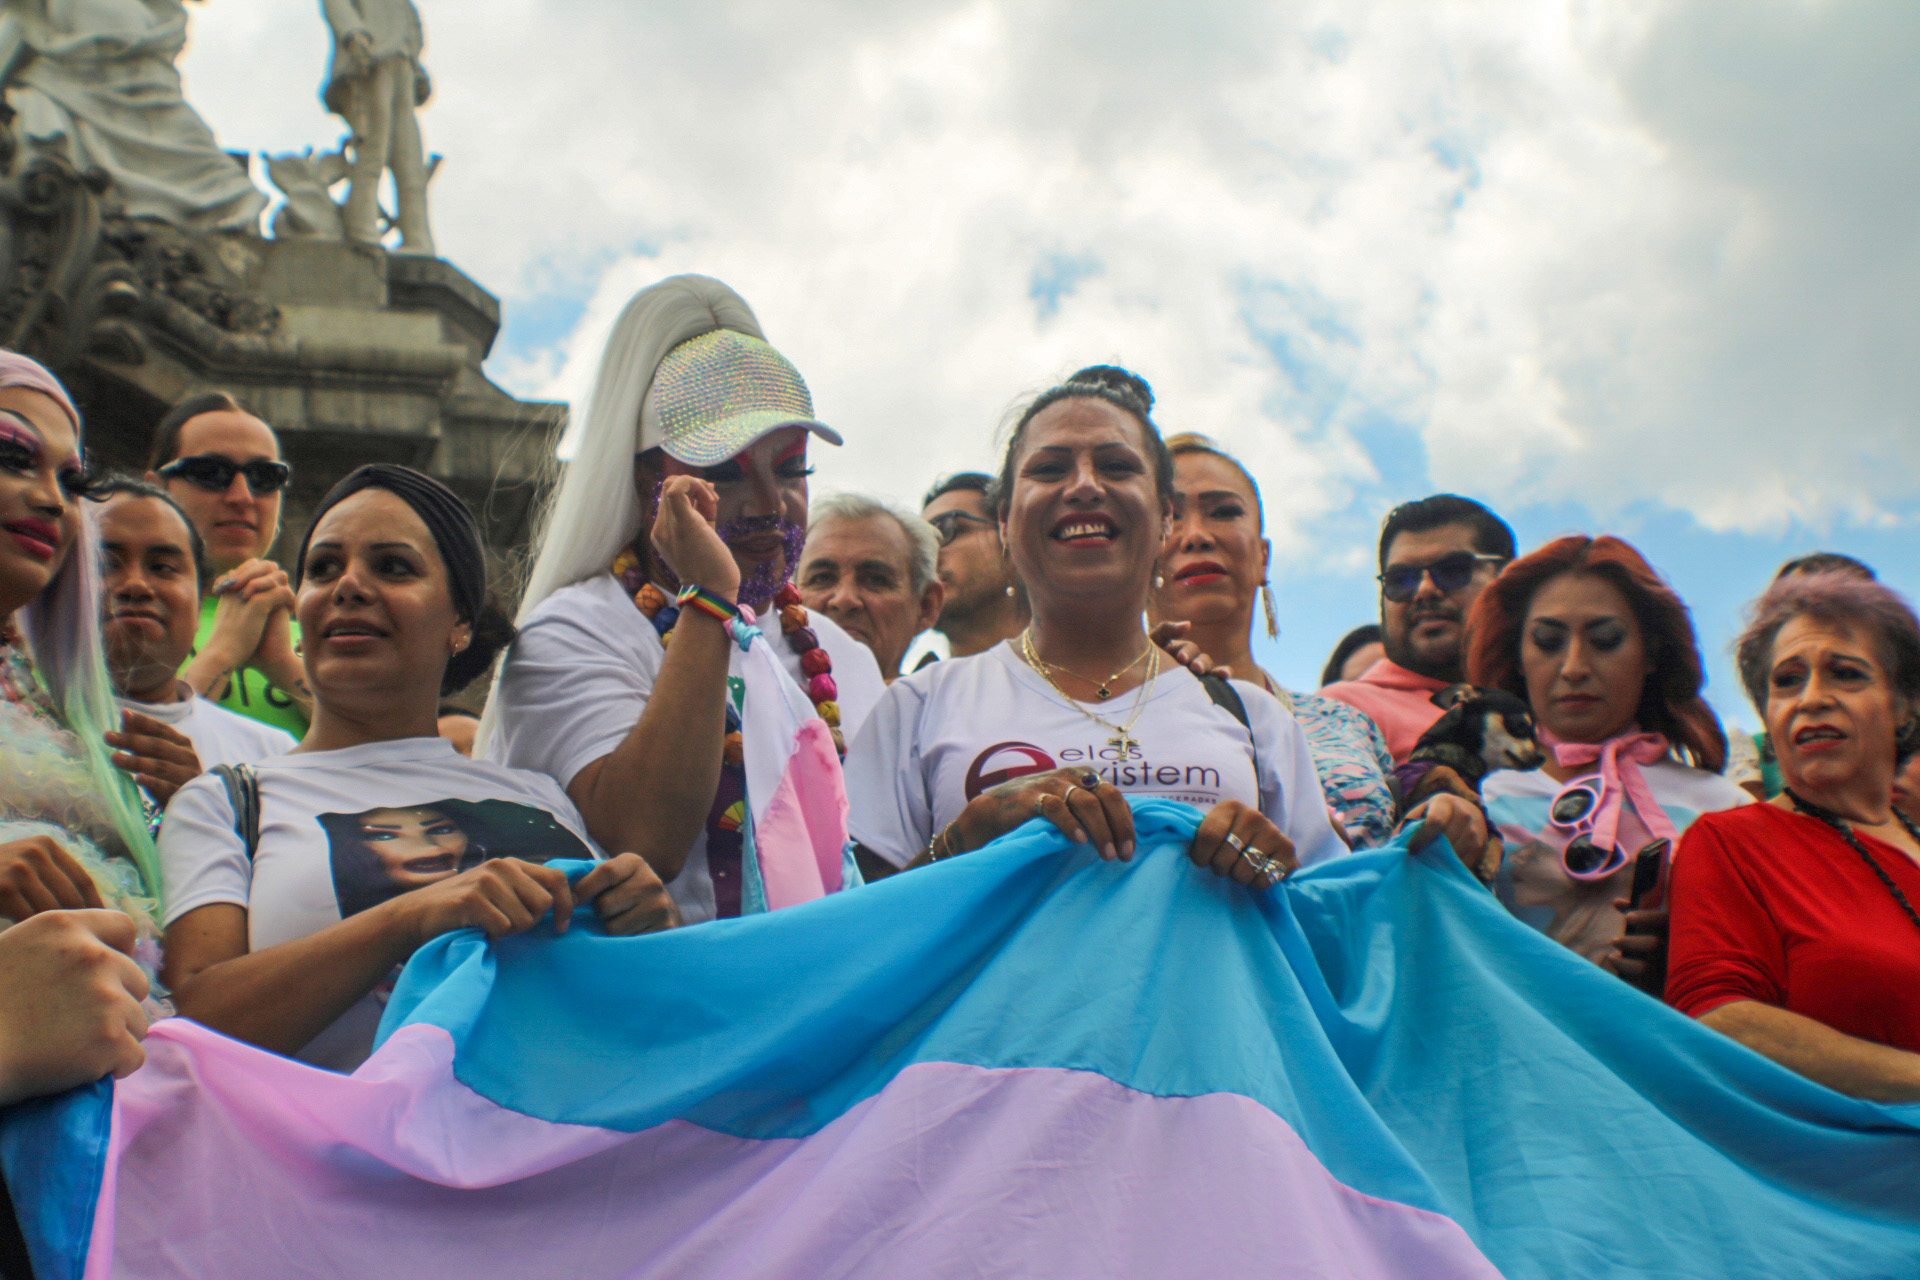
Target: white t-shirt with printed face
x,y
219,736
946,733
342,831
581,672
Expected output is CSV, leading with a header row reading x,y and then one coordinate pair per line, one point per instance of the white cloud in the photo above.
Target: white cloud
x,y
1598,254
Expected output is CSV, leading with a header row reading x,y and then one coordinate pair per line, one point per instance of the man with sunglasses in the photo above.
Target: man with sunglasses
x,y
984,605
223,466
1436,556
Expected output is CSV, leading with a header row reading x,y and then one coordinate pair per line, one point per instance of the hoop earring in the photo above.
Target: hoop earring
x,y
1273,614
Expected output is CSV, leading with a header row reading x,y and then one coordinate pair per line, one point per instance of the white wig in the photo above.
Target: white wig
x,y
594,512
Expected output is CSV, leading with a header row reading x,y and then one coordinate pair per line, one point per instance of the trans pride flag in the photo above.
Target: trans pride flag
x,y
1023,1062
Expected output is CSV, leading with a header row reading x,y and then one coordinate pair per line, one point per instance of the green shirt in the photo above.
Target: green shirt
x,y
248,693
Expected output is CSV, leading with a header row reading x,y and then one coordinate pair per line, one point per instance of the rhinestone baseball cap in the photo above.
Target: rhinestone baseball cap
x,y
716,394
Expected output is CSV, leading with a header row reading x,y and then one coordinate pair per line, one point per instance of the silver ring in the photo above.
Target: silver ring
x,y
1090,780
1235,843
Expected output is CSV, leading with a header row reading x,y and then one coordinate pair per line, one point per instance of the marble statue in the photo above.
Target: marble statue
x,y
375,81
307,180
94,81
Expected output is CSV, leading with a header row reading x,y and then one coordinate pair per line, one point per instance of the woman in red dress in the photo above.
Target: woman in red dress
x,y
1796,923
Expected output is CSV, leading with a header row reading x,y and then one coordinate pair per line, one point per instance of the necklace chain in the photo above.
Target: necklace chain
x,y
1101,690
1845,831
1123,734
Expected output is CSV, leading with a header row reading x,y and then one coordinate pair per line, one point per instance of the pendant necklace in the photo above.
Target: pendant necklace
x,y
1122,739
1103,690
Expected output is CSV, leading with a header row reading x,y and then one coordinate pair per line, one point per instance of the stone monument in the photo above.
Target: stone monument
x,y
132,263
375,82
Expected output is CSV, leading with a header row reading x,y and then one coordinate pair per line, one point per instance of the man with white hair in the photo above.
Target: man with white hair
x,y
872,569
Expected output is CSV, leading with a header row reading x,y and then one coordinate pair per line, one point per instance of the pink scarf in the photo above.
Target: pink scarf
x,y
1620,759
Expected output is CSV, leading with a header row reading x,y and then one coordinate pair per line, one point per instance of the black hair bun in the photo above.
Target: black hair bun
x,y
493,631
1114,378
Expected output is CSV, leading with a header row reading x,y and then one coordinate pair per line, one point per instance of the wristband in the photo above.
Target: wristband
x,y
707,602
736,619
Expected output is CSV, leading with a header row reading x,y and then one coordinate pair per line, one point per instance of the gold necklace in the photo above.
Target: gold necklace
x,y
1122,738
1101,691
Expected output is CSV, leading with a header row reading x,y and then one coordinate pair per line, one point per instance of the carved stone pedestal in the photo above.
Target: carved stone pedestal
x,y
353,354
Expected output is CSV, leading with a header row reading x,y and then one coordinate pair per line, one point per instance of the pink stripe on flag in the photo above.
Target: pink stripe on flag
x,y
802,833
234,1162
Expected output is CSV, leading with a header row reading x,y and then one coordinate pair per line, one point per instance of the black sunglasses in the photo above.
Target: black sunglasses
x,y
216,472
950,524
1450,572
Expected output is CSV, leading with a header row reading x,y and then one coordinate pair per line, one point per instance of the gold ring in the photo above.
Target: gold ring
x,y
1064,795
1090,780
1040,805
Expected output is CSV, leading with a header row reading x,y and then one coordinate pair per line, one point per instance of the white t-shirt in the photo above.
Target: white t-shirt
x,y
580,674
341,831
219,736
950,731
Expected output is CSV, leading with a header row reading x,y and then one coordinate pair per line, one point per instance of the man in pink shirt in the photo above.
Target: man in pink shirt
x,y
1436,556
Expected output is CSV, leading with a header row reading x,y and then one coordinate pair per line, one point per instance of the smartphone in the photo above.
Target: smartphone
x,y
1647,866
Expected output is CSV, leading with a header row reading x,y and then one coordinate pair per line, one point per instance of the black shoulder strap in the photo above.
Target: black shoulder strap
x,y
243,789
1221,690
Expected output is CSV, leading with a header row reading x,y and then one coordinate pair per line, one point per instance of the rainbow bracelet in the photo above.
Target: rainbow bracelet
x,y
738,627
707,602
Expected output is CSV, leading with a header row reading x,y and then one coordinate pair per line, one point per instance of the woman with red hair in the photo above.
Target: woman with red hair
x,y
1604,653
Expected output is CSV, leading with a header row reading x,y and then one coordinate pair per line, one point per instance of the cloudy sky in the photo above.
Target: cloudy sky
x,y
1642,266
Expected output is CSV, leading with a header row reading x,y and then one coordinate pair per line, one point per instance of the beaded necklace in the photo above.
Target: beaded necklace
x,y
1845,831
728,812
815,662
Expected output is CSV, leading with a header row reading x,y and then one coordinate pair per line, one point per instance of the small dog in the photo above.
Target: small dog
x,y
1483,730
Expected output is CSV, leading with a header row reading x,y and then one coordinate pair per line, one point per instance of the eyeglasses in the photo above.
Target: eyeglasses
x,y
1401,582
951,524
216,471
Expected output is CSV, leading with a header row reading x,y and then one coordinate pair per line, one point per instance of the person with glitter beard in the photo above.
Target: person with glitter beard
x,y
684,504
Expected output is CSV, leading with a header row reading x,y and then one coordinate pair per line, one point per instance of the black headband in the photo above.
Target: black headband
x,y
455,532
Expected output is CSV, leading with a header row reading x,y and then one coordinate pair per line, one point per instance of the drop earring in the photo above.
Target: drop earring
x,y
1273,614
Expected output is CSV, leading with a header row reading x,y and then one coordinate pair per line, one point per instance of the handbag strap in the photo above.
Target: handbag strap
x,y
243,790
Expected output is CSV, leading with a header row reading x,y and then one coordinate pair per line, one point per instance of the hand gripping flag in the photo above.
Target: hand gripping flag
x,y
1022,1062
